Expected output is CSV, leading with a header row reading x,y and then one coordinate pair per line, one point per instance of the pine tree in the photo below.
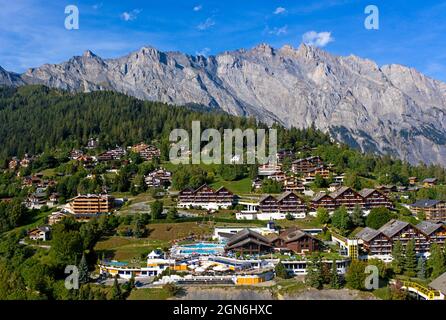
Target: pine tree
x,y
335,282
116,293
421,268
355,275
410,261
322,215
84,275
172,214
436,261
357,217
398,258
314,272
280,271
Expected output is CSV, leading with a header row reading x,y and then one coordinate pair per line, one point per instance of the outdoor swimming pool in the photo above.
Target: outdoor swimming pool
x,y
200,248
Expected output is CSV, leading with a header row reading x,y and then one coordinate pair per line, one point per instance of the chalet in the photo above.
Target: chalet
x,y
40,233
388,188
295,240
323,200
269,169
86,160
26,161
293,184
256,184
74,154
413,181
53,199
158,179
429,182
434,232
379,243
287,203
435,210
92,143
91,204
284,154
56,217
375,199
304,165
334,186
30,181
339,179
110,155
311,174
147,152
248,242
346,196
36,199
14,163
207,198
278,176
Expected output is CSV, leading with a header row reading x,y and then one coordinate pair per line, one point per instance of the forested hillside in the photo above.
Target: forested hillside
x,y
34,119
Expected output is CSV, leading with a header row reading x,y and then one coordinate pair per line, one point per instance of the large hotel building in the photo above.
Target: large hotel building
x,y
91,204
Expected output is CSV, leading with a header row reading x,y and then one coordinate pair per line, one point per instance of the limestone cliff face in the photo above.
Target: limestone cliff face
x,y
390,109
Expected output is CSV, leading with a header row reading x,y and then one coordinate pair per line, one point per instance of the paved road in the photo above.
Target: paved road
x,y
34,245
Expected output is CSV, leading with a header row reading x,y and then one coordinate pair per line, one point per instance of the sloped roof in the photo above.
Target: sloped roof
x,y
339,191
428,227
222,188
425,203
366,192
430,180
319,196
439,283
202,187
293,234
266,197
284,195
367,234
393,227
246,241
244,234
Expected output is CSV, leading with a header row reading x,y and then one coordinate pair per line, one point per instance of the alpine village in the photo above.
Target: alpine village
x,y
86,181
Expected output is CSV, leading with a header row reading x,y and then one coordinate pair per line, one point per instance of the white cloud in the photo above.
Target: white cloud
x,y
129,16
206,24
198,7
279,10
317,39
205,52
279,31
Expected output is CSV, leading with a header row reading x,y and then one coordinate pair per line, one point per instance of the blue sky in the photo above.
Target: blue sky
x,y
411,33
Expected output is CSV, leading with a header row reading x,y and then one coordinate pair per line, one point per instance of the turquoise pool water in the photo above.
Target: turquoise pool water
x,y
201,249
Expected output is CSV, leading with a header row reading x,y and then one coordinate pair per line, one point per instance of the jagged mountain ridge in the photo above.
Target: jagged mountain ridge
x,y
390,109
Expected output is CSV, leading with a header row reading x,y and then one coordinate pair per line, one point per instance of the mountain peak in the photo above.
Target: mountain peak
x,y
371,108
264,48
88,54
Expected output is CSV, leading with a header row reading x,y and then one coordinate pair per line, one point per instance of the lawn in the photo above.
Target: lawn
x,y
238,187
289,286
160,235
126,248
172,231
50,173
306,223
149,294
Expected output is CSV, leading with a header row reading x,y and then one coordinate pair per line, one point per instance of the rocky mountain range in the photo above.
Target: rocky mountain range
x,y
390,109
